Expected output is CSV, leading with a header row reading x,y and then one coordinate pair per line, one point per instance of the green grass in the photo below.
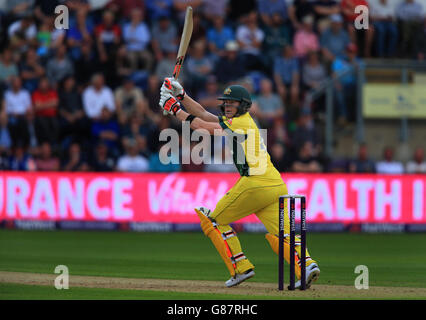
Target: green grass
x,y
10,291
393,259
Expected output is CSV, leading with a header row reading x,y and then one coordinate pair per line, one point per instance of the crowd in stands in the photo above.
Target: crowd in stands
x,y
85,98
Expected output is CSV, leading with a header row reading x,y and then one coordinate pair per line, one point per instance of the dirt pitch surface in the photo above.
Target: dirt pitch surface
x,y
247,288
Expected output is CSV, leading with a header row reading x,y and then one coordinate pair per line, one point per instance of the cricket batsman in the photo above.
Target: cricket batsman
x,y
257,190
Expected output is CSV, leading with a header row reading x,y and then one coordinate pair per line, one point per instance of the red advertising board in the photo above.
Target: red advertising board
x,y
171,198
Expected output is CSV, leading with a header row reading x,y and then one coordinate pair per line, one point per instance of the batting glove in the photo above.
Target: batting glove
x,y
169,104
173,87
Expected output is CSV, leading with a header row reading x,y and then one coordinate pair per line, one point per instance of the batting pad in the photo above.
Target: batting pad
x,y
274,243
227,244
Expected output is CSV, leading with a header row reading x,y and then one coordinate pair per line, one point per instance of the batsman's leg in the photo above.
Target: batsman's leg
x,y
227,244
269,217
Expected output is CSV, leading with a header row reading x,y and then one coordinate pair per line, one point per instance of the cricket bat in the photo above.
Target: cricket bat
x,y
184,42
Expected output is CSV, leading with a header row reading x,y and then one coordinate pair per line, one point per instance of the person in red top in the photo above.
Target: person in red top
x,y
45,102
362,37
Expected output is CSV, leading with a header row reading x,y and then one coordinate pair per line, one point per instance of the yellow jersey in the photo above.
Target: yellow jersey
x,y
249,151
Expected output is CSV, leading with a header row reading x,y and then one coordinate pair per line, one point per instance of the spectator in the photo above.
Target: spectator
x,y
418,164
208,97
314,72
108,38
158,9
132,161
86,65
31,70
46,161
269,103
229,67
5,136
410,15
298,10
277,35
287,75
97,96
218,35
362,164
17,103
306,131
73,123
106,130
124,8
165,37
45,101
420,50
168,63
306,160
279,157
346,86
49,37
130,101
213,9
78,35
362,37
334,40
123,66
199,32
18,8
269,8
101,161
139,129
385,30
22,33
59,67
250,38
324,11
8,68
305,39
152,94
199,66
76,161
21,160
137,38
388,165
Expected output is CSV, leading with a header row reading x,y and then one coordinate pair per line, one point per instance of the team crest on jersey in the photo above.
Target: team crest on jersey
x,y
230,121
227,91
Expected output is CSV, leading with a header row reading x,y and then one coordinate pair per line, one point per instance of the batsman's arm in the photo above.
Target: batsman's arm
x,y
197,123
196,109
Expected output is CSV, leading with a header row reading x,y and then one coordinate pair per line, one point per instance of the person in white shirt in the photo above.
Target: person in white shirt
x,y
96,97
388,165
418,164
250,38
132,161
18,106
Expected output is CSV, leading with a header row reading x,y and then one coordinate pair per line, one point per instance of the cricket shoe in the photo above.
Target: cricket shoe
x,y
312,275
239,277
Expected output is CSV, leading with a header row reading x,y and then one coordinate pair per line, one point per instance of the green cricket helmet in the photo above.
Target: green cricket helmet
x,y
237,93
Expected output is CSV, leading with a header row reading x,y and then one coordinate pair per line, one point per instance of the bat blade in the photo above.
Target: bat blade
x,y
184,43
